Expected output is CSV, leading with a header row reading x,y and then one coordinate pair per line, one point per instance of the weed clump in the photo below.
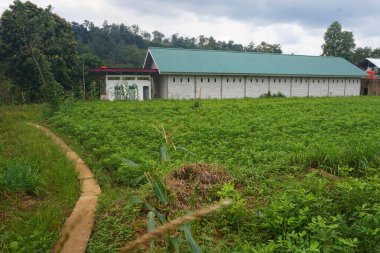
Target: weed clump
x,y
193,184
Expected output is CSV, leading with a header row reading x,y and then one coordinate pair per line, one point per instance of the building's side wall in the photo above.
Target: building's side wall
x,y
126,81
280,85
336,87
352,87
300,86
211,87
180,87
233,87
319,88
256,86
163,87
208,87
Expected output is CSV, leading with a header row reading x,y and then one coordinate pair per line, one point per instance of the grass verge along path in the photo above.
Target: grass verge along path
x,y
38,185
77,229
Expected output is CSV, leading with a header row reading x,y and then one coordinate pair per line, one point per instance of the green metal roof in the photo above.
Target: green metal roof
x,y
170,60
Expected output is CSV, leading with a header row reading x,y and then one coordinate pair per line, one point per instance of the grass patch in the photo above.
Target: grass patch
x,y
38,185
266,146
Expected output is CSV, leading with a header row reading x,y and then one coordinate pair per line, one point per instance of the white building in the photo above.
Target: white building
x,y
188,73
125,83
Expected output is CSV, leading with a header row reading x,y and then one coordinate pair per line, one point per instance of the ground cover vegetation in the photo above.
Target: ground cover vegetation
x,y
258,152
38,185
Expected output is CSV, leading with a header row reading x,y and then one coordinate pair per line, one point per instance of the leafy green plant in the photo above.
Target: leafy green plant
x,y
235,215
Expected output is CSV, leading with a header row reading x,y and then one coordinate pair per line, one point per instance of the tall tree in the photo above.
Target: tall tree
x,y
268,48
38,52
360,53
337,42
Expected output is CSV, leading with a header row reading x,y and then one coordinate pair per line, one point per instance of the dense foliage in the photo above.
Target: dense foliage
x,y
38,52
123,45
267,145
342,44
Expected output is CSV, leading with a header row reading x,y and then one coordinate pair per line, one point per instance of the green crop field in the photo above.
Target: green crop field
x,y
259,152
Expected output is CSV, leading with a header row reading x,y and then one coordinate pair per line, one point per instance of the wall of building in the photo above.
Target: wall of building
x,y
208,87
126,82
256,86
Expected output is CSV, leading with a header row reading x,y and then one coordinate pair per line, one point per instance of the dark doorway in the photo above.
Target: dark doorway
x,y
145,92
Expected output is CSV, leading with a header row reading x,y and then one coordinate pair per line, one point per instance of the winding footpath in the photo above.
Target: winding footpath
x,y
77,228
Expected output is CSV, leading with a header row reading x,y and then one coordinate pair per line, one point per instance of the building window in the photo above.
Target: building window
x,y
113,78
233,80
318,81
130,78
227,80
201,79
262,80
274,80
173,79
181,80
300,80
208,80
333,81
284,80
215,80
279,80
188,79
239,80
140,78
324,80
313,80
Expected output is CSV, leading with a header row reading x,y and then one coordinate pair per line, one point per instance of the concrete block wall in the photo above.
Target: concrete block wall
x,y
256,86
352,87
318,87
233,87
280,84
208,87
189,87
181,87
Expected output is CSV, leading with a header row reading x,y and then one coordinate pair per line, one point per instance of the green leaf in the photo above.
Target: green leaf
x,y
190,240
177,242
160,216
151,227
158,188
164,153
130,163
14,245
186,151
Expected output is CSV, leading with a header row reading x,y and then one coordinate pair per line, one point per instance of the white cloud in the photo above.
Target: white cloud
x,y
296,30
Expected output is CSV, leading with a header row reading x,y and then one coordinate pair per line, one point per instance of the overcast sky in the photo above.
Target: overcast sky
x,y
298,25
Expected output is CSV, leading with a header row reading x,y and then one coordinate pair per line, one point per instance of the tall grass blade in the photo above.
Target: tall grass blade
x,y
186,151
190,240
130,163
164,153
158,188
151,227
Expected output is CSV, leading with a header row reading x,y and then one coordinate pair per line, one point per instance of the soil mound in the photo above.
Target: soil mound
x,y
192,184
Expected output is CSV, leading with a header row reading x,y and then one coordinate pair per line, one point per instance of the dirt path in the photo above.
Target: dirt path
x,y
77,228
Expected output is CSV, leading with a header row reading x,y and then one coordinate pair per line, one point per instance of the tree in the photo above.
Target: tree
x,y
39,52
360,54
337,42
268,48
158,36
